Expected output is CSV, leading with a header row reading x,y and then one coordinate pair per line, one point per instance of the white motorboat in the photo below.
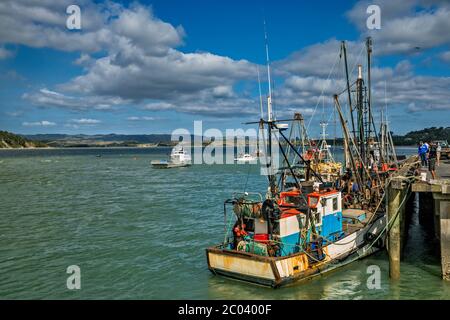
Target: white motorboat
x,y
246,158
179,157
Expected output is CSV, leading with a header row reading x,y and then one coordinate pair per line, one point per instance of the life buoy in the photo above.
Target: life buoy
x,y
239,230
309,155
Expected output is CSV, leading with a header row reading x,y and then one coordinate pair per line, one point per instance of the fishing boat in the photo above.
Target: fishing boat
x,y
297,231
324,163
179,157
279,241
301,229
246,158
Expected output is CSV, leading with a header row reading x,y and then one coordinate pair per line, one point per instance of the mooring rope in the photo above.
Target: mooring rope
x,y
387,228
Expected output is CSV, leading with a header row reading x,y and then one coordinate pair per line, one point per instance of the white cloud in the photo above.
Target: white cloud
x,y
71,125
406,26
14,113
43,24
43,123
132,58
136,61
303,86
143,30
48,98
84,60
166,77
85,121
144,118
445,56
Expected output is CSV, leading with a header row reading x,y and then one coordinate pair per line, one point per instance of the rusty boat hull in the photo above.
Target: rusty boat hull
x,y
280,271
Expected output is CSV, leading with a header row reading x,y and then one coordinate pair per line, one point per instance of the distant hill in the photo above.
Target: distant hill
x,y
10,140
141,138
102,140
427,134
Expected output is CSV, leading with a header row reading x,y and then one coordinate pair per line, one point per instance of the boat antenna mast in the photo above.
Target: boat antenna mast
x,y
323,149
269,78
349,94
260,94
271,176
369,85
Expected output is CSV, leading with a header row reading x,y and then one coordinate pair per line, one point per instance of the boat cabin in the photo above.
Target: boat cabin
x,y
326,209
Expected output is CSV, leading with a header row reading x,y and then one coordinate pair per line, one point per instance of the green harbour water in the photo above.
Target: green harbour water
x,y
140,233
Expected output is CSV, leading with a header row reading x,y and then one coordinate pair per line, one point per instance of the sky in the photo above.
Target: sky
x,y
142,67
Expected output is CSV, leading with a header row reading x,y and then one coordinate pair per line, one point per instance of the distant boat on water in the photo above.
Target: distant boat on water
x,y
245,158
179,157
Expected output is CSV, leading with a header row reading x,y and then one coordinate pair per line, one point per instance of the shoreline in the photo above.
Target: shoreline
x,y
139,148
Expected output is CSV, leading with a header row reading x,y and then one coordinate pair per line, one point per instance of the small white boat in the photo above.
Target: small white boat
x,y
282,126
246,158
179,157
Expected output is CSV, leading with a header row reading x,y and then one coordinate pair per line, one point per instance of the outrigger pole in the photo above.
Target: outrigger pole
x,y
289,165
347,138
307,162
272,125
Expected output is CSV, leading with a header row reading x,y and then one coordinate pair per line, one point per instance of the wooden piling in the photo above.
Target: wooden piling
x,y
439,191
444,225
394,197
437,219
398,192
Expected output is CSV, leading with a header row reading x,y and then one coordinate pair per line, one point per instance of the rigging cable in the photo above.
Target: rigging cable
x,y
323,89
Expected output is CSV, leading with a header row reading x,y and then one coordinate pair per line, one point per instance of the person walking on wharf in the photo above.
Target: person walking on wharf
x,y
439,149
423,150
432,156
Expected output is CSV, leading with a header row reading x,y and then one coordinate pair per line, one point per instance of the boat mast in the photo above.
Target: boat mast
x,y
361,124
347,141
260,94
369,107
269,99
344,50
388,148
369,83
328,157
272,178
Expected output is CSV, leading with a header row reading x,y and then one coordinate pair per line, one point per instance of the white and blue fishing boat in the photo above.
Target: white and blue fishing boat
x,y
303,228
299,230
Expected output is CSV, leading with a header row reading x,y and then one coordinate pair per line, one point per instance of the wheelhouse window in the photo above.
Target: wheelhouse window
x,y
292,200
313,201
335,204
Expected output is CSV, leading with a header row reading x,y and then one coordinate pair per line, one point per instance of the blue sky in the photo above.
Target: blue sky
x,y
154,66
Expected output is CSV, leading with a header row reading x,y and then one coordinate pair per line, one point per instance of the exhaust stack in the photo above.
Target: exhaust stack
x,y
359,71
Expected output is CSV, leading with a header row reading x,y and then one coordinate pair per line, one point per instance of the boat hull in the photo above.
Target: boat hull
x,y
168,165
280,271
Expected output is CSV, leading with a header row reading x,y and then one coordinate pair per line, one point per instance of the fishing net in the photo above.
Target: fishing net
x,y
248,210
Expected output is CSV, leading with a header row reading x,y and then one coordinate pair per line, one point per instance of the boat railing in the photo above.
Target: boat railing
x,y
247,196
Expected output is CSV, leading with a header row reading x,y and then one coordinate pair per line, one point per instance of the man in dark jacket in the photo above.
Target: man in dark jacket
x,y
432,156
